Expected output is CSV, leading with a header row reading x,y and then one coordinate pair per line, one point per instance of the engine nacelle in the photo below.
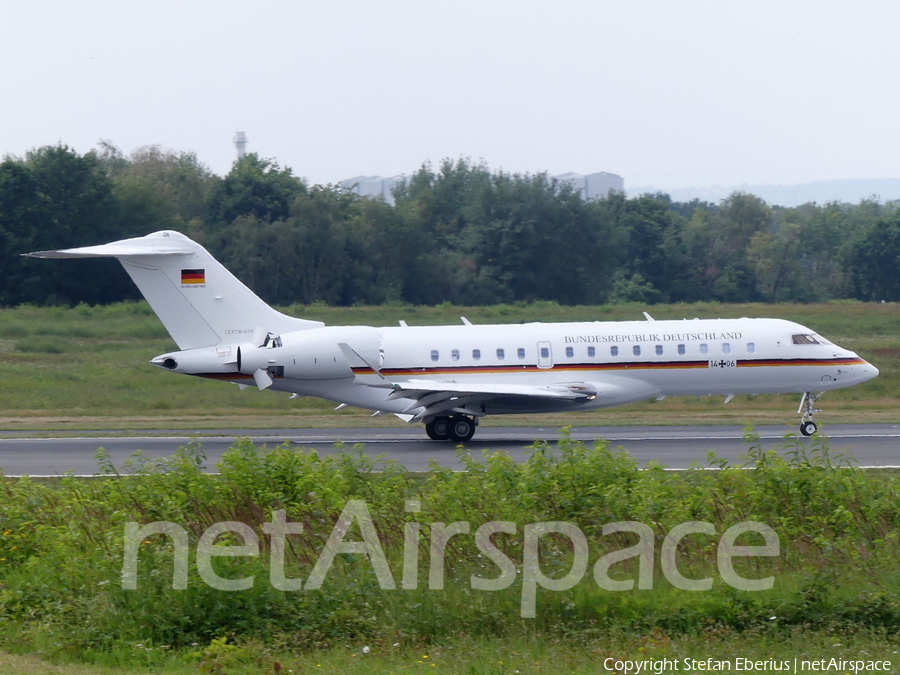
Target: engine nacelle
x,y
315,354
304,355
312,354
206,360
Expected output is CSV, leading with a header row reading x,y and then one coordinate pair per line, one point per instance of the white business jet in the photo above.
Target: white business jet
x,y
449,377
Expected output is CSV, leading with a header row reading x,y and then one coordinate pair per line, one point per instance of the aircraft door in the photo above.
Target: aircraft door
x,y
545,355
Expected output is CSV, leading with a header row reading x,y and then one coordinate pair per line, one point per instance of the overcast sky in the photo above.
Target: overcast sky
x,y
669,94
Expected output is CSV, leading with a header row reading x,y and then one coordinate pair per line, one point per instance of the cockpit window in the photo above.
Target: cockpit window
x,y
804,339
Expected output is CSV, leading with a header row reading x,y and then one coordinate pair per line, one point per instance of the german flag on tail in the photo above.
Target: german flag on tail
x,y
193,277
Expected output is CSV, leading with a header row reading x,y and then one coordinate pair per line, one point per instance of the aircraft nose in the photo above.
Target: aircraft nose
x,y
869,371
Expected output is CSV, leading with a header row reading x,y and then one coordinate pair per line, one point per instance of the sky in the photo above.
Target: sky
x,y
666,94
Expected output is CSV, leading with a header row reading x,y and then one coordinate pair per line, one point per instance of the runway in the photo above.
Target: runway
x,y
875,445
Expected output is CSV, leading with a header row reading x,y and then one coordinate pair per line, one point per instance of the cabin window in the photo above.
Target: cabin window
x,y
681,350
614,351
704,349
545,352
751,348
476,354
659,350
592,352
570,352
636,350
434,355
726,348
501,354
454,355
521,352
804,340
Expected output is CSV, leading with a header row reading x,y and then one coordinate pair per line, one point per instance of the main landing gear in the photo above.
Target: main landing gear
x,y
807,426
459,428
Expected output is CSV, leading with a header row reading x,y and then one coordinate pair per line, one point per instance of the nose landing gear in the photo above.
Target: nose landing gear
x,y
807,426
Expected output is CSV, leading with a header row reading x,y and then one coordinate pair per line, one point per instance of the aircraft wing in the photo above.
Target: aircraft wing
x,y
434,396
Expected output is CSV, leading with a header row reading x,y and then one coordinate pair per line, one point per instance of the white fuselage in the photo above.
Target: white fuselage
x,y
624,361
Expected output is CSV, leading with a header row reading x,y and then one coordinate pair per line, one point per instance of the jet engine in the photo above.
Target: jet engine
x,y
304,355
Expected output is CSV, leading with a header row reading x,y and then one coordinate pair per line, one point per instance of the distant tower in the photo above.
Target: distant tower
x,y
240,142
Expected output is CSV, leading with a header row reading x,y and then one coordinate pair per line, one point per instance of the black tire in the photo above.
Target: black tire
x,y
808,428
438,429
462,428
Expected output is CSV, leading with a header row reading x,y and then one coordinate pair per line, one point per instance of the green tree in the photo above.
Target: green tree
x,y
774,260
382,248
534,238
56,198
299,259
433,208
254,187
875,261
653,251
160,189
632,289
488,238
19,204
717,240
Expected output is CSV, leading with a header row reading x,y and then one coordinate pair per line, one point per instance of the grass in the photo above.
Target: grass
x,y
20,664
87,367
535,655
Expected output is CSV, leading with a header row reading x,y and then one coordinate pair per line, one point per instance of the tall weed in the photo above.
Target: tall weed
x,y
61,546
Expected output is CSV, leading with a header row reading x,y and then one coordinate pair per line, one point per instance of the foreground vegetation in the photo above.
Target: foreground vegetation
x,y
835,578
87,367
531,654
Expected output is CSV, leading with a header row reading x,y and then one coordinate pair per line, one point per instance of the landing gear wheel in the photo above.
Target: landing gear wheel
x,y
438,429
807,426
462,428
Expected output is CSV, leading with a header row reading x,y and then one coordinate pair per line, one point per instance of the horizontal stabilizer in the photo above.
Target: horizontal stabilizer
x,y
120,249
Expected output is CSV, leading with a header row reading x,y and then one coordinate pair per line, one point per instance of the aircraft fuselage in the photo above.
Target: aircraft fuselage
x,y
624,361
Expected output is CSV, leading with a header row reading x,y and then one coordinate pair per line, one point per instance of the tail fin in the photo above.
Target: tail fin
x,y
200,302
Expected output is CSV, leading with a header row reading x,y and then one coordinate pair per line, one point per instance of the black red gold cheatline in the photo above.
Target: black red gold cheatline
x,y
657,365
660,365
